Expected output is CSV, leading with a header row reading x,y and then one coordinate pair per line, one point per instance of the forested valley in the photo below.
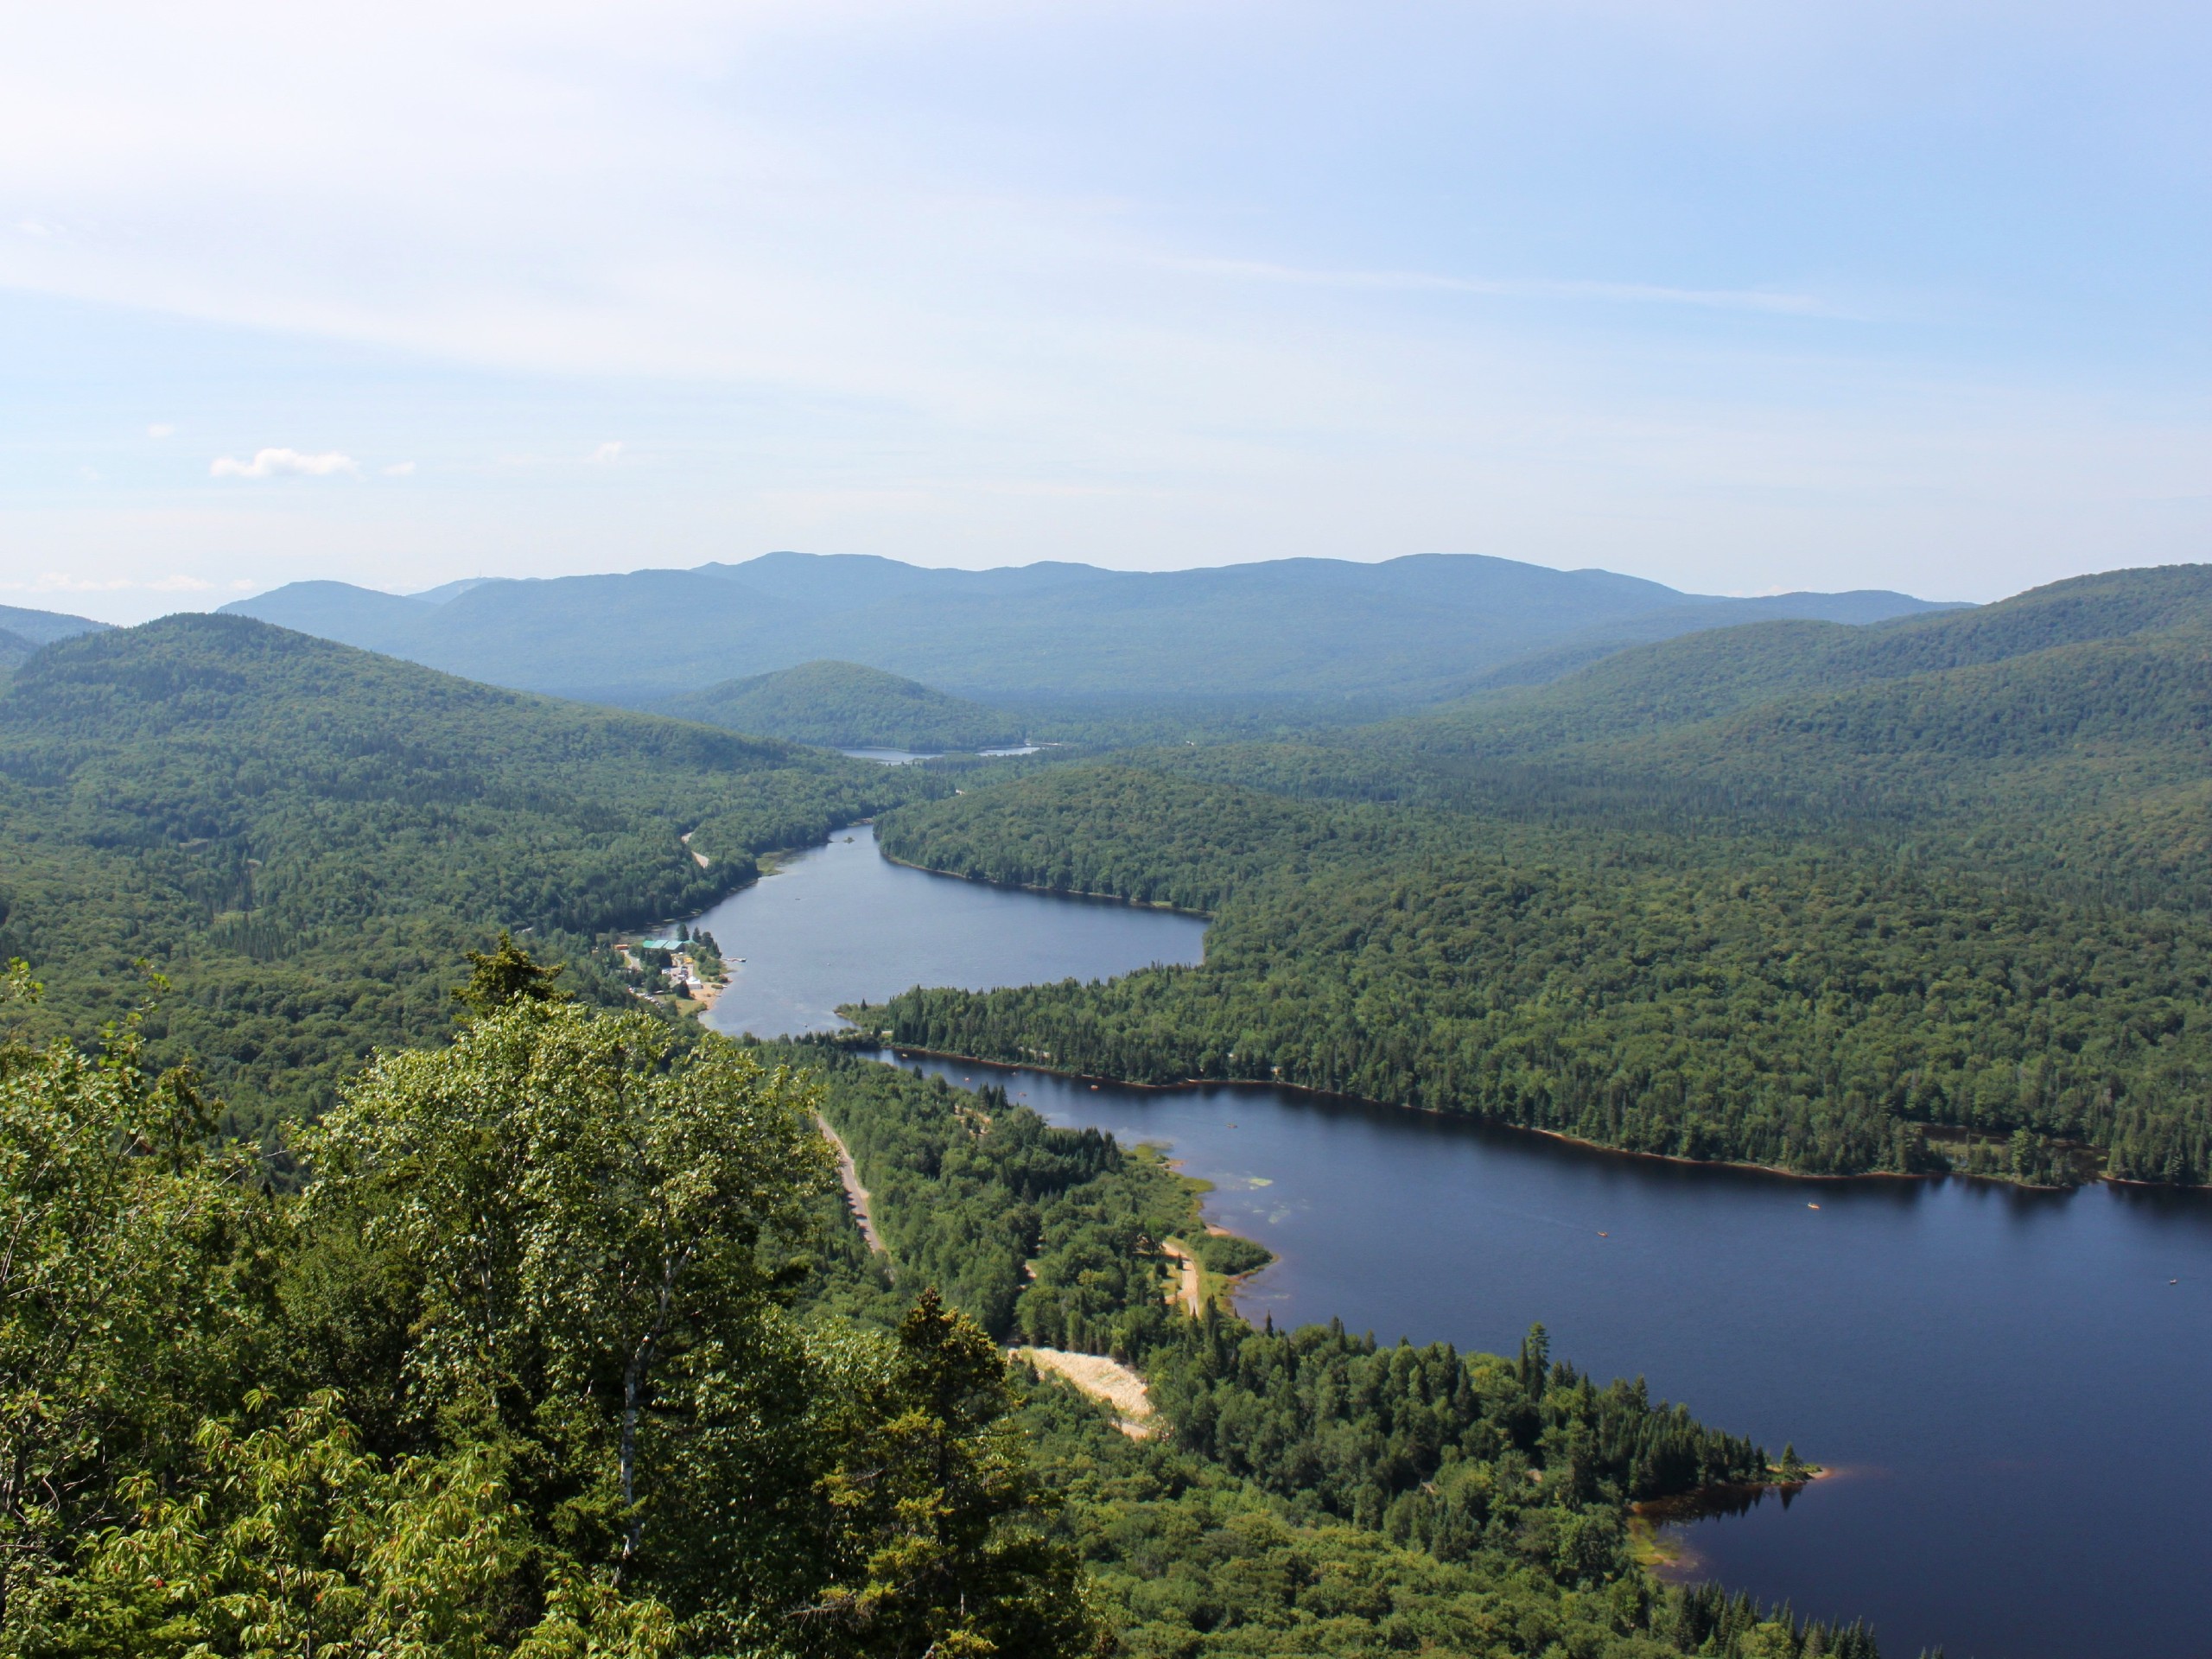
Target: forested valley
x,y
362,1302
302,838
1929,894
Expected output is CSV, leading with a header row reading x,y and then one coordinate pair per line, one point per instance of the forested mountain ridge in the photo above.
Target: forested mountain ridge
x,y
1707,675
844,705
1294,632
301,836
2046,745
1931,916
22,632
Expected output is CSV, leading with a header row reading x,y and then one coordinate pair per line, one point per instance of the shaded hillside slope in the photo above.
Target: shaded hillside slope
x,y
44,627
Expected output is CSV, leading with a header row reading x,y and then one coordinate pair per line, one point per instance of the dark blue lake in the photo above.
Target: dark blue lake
x,y
2013,1390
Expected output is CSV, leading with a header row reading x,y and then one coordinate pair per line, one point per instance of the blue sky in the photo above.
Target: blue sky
x,y
1742,297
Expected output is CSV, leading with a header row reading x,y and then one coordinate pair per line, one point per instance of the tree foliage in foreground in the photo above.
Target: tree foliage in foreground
x,y
551,1358
519,1373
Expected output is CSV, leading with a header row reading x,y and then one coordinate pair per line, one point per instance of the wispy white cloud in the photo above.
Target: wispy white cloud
x,y
1777,300
275,463
399,469
161,429
945,281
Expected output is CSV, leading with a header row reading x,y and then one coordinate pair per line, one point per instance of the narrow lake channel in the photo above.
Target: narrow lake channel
x,y
2012,1387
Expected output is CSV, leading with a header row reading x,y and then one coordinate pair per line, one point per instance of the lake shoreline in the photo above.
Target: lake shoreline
x,y
1555,1135
1715,1280
1052,893
856,1038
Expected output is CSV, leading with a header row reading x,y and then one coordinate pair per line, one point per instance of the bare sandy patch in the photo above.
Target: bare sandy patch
x,y
1102,1379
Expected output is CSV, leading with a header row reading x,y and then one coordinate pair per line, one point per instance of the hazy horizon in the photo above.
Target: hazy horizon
x,y
1882,296
127,607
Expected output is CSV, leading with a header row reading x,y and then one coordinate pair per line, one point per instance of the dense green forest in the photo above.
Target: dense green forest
x,y
526,1326
519,1373
303,837
1314,1492
843,705
1934,894
568,1347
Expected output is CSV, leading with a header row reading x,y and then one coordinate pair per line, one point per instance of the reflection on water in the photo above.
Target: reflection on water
x,y
1717,1503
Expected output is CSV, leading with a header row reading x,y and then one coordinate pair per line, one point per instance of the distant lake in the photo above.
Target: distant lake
x,y
2014,1395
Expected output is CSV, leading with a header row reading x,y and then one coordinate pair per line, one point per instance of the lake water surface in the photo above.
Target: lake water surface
x,y
842,924
2014,1395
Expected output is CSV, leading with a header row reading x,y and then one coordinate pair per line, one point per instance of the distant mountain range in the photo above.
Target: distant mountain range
x,y
1405,630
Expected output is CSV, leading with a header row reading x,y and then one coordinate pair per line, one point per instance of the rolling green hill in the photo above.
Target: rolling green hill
x,y
303,837
843,705
1291,632
1705,676
1935,892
